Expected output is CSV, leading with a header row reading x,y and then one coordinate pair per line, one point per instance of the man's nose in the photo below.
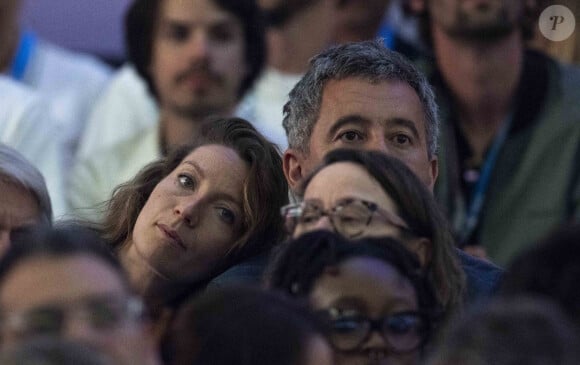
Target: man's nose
x,y
79,328
378,144
198,46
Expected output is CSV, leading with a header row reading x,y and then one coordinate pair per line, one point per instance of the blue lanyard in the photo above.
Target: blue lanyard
x,y
23,54
473,213
386,33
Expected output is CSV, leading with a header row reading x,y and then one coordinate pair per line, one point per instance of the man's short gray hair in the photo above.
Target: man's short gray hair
x,y
16,169
368,60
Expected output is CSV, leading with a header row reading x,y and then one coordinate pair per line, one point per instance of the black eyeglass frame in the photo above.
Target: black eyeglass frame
x,y
378,325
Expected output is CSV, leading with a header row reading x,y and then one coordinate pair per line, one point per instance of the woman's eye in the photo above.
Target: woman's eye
x,y
186,181
227,215
351,136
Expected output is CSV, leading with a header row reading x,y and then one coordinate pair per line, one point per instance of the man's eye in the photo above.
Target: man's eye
x,y
178,33
186,181
402,139
351,136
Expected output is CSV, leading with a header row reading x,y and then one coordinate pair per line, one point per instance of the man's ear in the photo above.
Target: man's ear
x,y
422,247
434,170
292,163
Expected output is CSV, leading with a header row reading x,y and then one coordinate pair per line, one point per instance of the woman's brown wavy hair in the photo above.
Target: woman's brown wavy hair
x,y
265,190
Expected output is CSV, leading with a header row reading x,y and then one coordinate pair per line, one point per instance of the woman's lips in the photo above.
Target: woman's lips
x,y
172,235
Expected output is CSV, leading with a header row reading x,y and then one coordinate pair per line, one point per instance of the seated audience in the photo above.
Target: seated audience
x,y
70,81
24,200
550,269
65,282
520,330
510,125
188,217
378,303
288,54
377,195
232,326
197,58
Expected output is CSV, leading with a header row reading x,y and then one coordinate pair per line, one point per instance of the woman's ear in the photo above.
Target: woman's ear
x,y
423,248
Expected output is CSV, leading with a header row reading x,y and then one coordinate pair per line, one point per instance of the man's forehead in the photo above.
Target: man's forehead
x,y
386,102
185,12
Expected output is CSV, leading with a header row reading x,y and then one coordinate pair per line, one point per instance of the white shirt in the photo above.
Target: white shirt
x,y
124,109
70,82
26,126
95,176
264,103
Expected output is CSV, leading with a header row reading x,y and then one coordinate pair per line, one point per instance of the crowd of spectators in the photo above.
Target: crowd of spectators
x,y
293,182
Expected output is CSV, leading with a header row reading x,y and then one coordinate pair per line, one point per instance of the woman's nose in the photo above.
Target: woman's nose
x,y
323,223
189,210
376,341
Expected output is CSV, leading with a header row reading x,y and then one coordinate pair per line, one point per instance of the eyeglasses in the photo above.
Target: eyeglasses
x,y
349,217
403,331
100,313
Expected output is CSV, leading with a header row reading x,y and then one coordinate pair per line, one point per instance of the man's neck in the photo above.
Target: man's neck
x,y
482,78
176,129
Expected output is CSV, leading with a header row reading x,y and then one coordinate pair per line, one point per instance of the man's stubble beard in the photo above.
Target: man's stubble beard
x,y
200,109
198,112
487,31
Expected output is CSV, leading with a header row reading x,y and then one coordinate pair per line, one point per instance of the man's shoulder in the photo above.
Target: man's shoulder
x,y
72,64
22,109
143,145
14,92
123,110
483,277
249,271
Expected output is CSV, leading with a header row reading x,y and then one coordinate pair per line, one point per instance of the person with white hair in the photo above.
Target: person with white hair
x,y
24,200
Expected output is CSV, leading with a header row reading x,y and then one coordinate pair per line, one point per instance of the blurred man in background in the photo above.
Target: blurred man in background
x,y
197,57
510,143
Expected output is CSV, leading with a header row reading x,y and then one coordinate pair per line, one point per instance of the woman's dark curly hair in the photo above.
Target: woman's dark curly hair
x,y
265,189
297,264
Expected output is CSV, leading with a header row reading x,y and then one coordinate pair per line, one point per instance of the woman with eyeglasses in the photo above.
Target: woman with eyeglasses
x,y
379,306
368,194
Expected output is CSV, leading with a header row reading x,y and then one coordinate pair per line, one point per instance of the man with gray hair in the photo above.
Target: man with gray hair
x,y
361,95
24,200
